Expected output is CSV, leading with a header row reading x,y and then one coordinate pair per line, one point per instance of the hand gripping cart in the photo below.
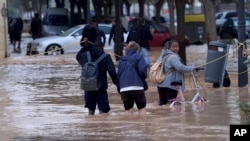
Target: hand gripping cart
x,y
197,97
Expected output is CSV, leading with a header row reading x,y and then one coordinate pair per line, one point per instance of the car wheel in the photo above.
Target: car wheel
x,y
53,50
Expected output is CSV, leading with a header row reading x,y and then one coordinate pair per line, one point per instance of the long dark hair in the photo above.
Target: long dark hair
x,y
169,43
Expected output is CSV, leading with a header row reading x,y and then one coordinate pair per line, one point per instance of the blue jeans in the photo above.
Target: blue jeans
x,y
145,53
97,97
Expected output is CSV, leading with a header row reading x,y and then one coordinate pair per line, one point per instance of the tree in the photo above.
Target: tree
x,y
107,7
180,7
171,8
209,12
98,9
141,7
128,5
158,6
60,3
77,18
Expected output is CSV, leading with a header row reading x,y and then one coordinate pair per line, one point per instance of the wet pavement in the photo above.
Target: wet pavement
x,y
41,101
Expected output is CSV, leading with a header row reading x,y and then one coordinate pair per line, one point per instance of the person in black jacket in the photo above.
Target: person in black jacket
x,y
100,34
99,97
17,33
228,30
145,34
10,29
118,49
36,27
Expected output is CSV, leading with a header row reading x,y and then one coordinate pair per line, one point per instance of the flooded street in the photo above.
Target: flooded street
x,y
41,101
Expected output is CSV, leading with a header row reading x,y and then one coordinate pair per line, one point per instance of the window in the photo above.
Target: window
x,y
71,30
218,16
56,20
105,29
230,15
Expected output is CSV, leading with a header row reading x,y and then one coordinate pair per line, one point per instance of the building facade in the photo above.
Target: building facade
x,y
3,30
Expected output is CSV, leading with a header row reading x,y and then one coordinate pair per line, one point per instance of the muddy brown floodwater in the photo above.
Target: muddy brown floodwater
x,y
40,100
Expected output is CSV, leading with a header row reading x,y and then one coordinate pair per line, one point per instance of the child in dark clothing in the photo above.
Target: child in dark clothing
x,y
98,97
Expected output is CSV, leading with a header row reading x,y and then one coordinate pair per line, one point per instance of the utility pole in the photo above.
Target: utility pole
x,y
242,49
118,46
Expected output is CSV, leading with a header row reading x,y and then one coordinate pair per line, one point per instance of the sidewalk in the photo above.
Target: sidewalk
x,y
26,35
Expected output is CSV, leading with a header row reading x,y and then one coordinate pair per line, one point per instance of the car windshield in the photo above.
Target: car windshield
x,y
56,20
247,22
218,15
105,29
71,30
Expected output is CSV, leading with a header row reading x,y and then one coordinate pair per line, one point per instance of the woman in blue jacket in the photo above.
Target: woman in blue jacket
x,y
131,75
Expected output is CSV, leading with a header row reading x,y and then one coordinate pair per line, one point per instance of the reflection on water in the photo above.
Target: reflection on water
x,y
46,104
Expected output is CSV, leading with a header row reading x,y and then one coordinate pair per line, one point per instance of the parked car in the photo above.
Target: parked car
x,y
221,17
161,34
55,21
66,42
236,27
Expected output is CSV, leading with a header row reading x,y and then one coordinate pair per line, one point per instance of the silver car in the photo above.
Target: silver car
x,y
66,42
221,17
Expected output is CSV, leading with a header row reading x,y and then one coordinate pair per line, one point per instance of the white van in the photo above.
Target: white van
x,y
55,21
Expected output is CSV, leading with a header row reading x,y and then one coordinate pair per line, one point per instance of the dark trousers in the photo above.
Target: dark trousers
x,y
99,98
166,95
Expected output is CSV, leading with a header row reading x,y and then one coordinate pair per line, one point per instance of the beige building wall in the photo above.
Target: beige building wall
x,y
3,30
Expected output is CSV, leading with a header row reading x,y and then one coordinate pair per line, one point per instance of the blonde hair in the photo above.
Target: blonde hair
x,y
132,45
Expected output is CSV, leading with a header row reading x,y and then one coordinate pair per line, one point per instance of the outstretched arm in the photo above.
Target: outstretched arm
x,y
178,65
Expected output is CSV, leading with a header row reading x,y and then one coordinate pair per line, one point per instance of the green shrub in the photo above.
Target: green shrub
x,y
245,107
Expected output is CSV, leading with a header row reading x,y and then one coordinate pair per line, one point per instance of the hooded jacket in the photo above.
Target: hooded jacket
x,y
132,70
176,68
104,66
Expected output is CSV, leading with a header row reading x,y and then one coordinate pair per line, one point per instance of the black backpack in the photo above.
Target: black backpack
x,y
89,77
